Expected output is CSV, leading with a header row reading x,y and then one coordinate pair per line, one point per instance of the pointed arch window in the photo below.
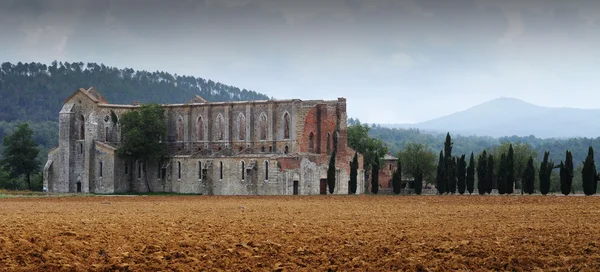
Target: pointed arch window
x,y
81,128
241,127
311,142
220,170
220,127
243,170
180,129
266,170
286,126
199,129
263,127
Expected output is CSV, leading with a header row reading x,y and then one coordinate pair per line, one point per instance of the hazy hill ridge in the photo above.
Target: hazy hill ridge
x,y
510,116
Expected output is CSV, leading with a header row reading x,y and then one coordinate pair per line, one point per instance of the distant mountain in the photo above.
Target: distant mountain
x,y
510,116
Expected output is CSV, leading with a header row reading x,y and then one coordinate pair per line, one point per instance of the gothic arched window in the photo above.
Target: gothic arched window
x,y
241,127
263,127
81,128
286,126
180,129
199,129
220,127
311,142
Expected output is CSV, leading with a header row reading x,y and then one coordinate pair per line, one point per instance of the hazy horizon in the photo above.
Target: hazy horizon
x,y
395,61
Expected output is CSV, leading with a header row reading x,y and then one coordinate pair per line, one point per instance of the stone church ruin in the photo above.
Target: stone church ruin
x,y
271,147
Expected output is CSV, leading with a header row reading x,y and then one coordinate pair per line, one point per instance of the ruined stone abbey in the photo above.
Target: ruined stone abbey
x,y
274,147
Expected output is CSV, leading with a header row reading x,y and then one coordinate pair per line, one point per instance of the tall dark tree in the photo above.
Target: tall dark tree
x,y
418,180
449,171
529,176
353,174
589,175
375,177
20,154
501,175
441,175
451,175
489,177
397,178
448,146
470,181
482,165
142,130
331,168
509,168
545,174
566,174
461,171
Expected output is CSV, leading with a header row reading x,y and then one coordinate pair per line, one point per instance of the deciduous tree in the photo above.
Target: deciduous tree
x,y
142,132
20,153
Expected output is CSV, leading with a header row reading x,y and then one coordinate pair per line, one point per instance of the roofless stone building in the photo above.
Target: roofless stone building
x,y
274,147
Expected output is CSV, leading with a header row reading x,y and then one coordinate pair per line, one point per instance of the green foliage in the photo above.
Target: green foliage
x,y
441,175
417,155
375,178
545,174
396,139
451,175
470,180
397,178
489,175
36,91
509,168
461,171
566,174
372,149
331,168
418,181
501,179
20,154
589,174
142,131
353,174
529,177
482,166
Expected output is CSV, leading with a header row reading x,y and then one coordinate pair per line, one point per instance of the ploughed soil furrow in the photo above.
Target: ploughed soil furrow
x,y
290,233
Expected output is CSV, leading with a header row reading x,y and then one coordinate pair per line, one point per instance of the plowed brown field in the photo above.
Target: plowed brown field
x,y
287,233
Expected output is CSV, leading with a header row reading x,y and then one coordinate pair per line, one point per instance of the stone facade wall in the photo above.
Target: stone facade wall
x,y
206,156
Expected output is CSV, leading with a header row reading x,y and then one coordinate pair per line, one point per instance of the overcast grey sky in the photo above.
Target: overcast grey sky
x,y
395,61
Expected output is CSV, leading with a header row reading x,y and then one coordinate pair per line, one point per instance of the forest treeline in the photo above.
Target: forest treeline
x,y
35,92
396,139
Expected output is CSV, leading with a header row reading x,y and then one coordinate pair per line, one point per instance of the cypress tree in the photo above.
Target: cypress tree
x,y
489,177
588,174
419,180
566,174
509,169
501,176
460,174
529,176
449,171
331,173
441,176
545,174
353,174
471,175
481,172
451,175
397,178
375,178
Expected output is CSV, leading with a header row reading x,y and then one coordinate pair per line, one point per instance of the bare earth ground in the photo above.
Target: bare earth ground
x,y
285,233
